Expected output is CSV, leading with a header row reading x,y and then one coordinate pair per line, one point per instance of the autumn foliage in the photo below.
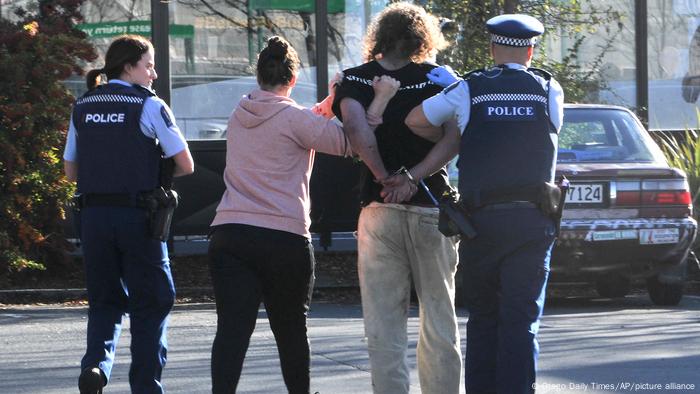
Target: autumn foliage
x,y
39,48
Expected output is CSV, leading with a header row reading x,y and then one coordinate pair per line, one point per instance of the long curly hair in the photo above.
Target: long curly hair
x,y
405,29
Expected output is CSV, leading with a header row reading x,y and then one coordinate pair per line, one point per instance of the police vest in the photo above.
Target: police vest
x,y
114,156
510,140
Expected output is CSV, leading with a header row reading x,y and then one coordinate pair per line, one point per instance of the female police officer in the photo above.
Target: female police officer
x,y
119,131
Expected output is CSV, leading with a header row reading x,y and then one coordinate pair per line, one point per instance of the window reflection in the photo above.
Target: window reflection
x,y
104,20
674,64
212,71
347,22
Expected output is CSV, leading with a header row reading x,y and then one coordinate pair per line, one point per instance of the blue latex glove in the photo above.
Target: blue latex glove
x,y
443,76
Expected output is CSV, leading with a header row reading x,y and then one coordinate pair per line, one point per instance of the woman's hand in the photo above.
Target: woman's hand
x,y
325,107
335,82
385,87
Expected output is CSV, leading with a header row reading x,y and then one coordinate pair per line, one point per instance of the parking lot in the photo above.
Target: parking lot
x,y
587,345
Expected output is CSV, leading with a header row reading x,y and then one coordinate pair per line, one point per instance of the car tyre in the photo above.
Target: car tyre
x,y
613,287
665,294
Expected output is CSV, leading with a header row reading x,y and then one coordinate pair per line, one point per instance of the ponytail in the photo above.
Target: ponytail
x,y
126,49
93,78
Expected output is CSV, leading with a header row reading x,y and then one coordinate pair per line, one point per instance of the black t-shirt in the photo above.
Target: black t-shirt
x,y
398,146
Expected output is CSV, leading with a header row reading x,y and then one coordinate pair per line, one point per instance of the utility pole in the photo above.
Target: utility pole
x,y
160,36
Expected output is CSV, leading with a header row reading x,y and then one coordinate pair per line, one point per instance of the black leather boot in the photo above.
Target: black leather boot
x,y
91,381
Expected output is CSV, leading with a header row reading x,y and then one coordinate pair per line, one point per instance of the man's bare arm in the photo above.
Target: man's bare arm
x,y
362,137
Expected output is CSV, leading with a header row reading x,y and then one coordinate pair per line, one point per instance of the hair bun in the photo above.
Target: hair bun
x,y
278,47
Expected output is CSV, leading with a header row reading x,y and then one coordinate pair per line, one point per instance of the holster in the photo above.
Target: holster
x,y
551,203
454,217
162,204
550,199
563,187
76,205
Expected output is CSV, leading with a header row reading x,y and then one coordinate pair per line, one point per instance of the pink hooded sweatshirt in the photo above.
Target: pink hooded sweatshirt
x,y
270,150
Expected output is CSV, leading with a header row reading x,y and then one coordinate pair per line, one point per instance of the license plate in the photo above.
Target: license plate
x,y
585,193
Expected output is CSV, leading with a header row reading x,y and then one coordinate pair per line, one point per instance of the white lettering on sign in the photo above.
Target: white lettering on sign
x,y
105,118
511,111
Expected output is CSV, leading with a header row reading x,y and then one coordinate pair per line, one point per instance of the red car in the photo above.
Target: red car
x,y
628,214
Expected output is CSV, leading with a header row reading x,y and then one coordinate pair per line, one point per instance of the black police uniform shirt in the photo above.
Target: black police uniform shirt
x,y
397,145
509,118
121,124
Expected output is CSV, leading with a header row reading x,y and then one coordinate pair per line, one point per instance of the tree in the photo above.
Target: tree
x,y
580,82
39,48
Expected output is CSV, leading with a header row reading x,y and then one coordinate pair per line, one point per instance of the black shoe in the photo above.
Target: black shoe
x,y
91,381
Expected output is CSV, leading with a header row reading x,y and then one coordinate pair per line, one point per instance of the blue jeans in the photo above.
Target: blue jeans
x,y
126,272
505,273
250,264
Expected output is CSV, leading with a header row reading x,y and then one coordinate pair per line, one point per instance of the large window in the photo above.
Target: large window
x,y
214,44
602,45
212,70
674,63
347,22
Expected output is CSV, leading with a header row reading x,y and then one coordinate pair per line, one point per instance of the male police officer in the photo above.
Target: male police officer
x,y
510,116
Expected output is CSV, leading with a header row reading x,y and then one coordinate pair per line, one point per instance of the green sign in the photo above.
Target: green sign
x,y
334,6
142,28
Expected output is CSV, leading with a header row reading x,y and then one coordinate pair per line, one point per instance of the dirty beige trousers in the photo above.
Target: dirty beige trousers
x,y
397,243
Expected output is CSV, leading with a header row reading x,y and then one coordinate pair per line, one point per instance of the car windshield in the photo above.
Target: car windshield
x,y
604,135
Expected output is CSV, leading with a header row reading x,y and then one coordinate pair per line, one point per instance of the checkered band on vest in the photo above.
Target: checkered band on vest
x,y
508,97
513,42
110,98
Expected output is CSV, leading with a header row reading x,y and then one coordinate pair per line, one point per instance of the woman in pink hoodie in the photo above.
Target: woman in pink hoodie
x,y
261,248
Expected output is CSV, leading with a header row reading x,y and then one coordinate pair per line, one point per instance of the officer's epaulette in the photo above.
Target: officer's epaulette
x,y
542,73
145,90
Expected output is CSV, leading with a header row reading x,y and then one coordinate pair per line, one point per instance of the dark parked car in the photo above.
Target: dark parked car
x,y
628,213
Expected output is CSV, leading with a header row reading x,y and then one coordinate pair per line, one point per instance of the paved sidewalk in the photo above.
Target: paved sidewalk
x,y
605,345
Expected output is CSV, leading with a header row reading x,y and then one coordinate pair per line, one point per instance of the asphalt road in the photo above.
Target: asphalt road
x,y
587,345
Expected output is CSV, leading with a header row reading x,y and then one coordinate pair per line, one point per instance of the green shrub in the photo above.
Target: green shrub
x,y
39,48
683,152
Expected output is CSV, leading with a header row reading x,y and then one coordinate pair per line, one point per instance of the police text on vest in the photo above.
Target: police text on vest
x,y
511,111
105,118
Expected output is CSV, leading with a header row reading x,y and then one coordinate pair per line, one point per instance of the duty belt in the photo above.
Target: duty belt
x,y
139,200
508,205
474,200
